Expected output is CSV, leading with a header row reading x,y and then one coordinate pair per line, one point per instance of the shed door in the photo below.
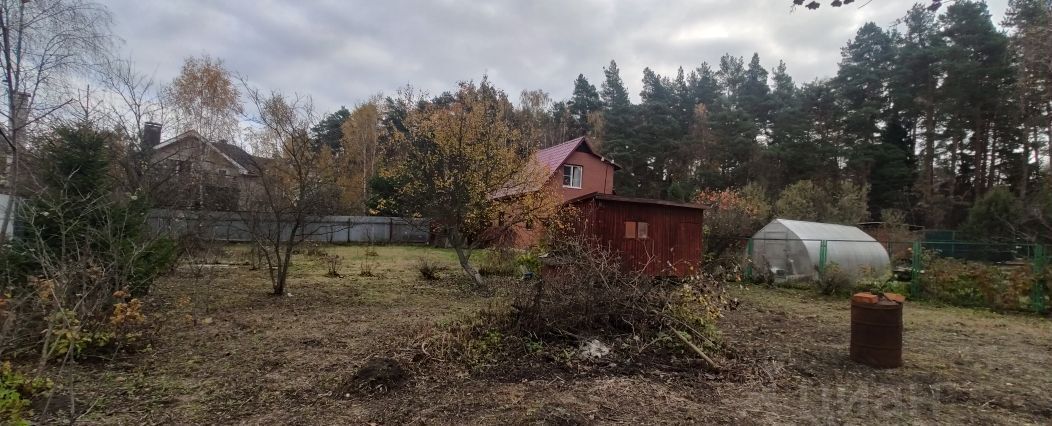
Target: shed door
x,y
685,250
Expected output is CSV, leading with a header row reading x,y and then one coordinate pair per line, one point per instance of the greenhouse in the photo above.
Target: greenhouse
x,y
793,249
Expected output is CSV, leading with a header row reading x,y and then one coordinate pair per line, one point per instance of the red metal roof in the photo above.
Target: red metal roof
x,y
553,157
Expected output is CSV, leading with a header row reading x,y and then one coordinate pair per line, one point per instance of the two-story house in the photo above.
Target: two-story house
x,y
191,172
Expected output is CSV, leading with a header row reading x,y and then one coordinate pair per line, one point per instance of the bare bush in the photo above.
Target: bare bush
x,y
333,263
428,269
366,270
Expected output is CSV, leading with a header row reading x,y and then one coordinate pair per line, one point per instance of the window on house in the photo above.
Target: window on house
x,y
572,176
636,230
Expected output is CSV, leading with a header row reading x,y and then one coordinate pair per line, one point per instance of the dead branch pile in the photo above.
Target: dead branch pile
x,y
587,304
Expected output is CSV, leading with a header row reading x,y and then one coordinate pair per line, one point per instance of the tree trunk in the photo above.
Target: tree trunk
x,y
955,155
1024,175
457,241
929,153
991,163
978,159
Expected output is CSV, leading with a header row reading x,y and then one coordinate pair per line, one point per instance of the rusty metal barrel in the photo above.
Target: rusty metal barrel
x,y
876,331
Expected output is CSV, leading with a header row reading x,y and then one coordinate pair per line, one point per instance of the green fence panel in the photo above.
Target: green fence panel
x,y
1037,293
823,254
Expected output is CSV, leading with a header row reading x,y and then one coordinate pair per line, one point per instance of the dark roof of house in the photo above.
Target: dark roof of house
x,y
237,154
610,197
553,157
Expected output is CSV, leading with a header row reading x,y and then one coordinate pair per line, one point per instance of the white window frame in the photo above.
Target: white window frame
x,y
579,175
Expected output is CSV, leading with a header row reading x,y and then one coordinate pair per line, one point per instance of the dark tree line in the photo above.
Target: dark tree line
x,y
931,113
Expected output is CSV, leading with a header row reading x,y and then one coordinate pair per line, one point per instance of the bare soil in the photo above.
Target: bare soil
x,y
229,353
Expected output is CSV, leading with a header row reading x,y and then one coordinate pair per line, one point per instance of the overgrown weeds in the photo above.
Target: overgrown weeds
x,y
313,249
500,261
16,391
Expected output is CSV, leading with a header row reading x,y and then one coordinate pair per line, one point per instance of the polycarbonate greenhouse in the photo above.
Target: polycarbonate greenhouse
x,y
791,249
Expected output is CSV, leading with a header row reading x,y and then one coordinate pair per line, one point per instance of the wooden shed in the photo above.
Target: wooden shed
x,y
661,238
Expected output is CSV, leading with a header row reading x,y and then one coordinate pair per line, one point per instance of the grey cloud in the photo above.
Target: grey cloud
x,y
341,52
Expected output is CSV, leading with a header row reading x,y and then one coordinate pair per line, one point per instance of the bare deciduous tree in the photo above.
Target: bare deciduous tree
x,y
294,184
42,43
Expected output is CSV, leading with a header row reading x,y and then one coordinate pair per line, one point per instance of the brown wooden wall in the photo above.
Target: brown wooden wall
x,y
673,247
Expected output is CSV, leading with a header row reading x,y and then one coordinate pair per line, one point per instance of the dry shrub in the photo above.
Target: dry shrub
x,y
333,263
584,294
835,281
428,269
370,251
366,270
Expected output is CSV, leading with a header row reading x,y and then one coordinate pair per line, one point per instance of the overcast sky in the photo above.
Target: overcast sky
x,y
341,52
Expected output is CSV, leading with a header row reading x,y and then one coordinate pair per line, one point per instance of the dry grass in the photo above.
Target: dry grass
x,y
257,359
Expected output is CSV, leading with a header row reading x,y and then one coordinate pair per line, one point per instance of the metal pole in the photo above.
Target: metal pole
x,y
823,254
915,270
748,262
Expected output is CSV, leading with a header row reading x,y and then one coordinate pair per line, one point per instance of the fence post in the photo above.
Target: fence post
x,y
1037,292
823,255
915,268
748,262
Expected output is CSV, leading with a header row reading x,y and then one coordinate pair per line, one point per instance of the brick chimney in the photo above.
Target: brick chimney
x,y
21,117
151,134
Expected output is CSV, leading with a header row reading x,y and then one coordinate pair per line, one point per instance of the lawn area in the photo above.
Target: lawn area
x,y
228,352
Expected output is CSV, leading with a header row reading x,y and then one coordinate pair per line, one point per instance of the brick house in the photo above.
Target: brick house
x,y
656,237
573,169
193,173
576,169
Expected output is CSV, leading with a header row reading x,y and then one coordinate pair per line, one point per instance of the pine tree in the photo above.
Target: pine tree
x,y
755,96
977,76
619,131
585,101
916,72
327,132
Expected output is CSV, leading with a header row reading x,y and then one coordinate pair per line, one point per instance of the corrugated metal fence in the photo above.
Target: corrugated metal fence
x,y
235,227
